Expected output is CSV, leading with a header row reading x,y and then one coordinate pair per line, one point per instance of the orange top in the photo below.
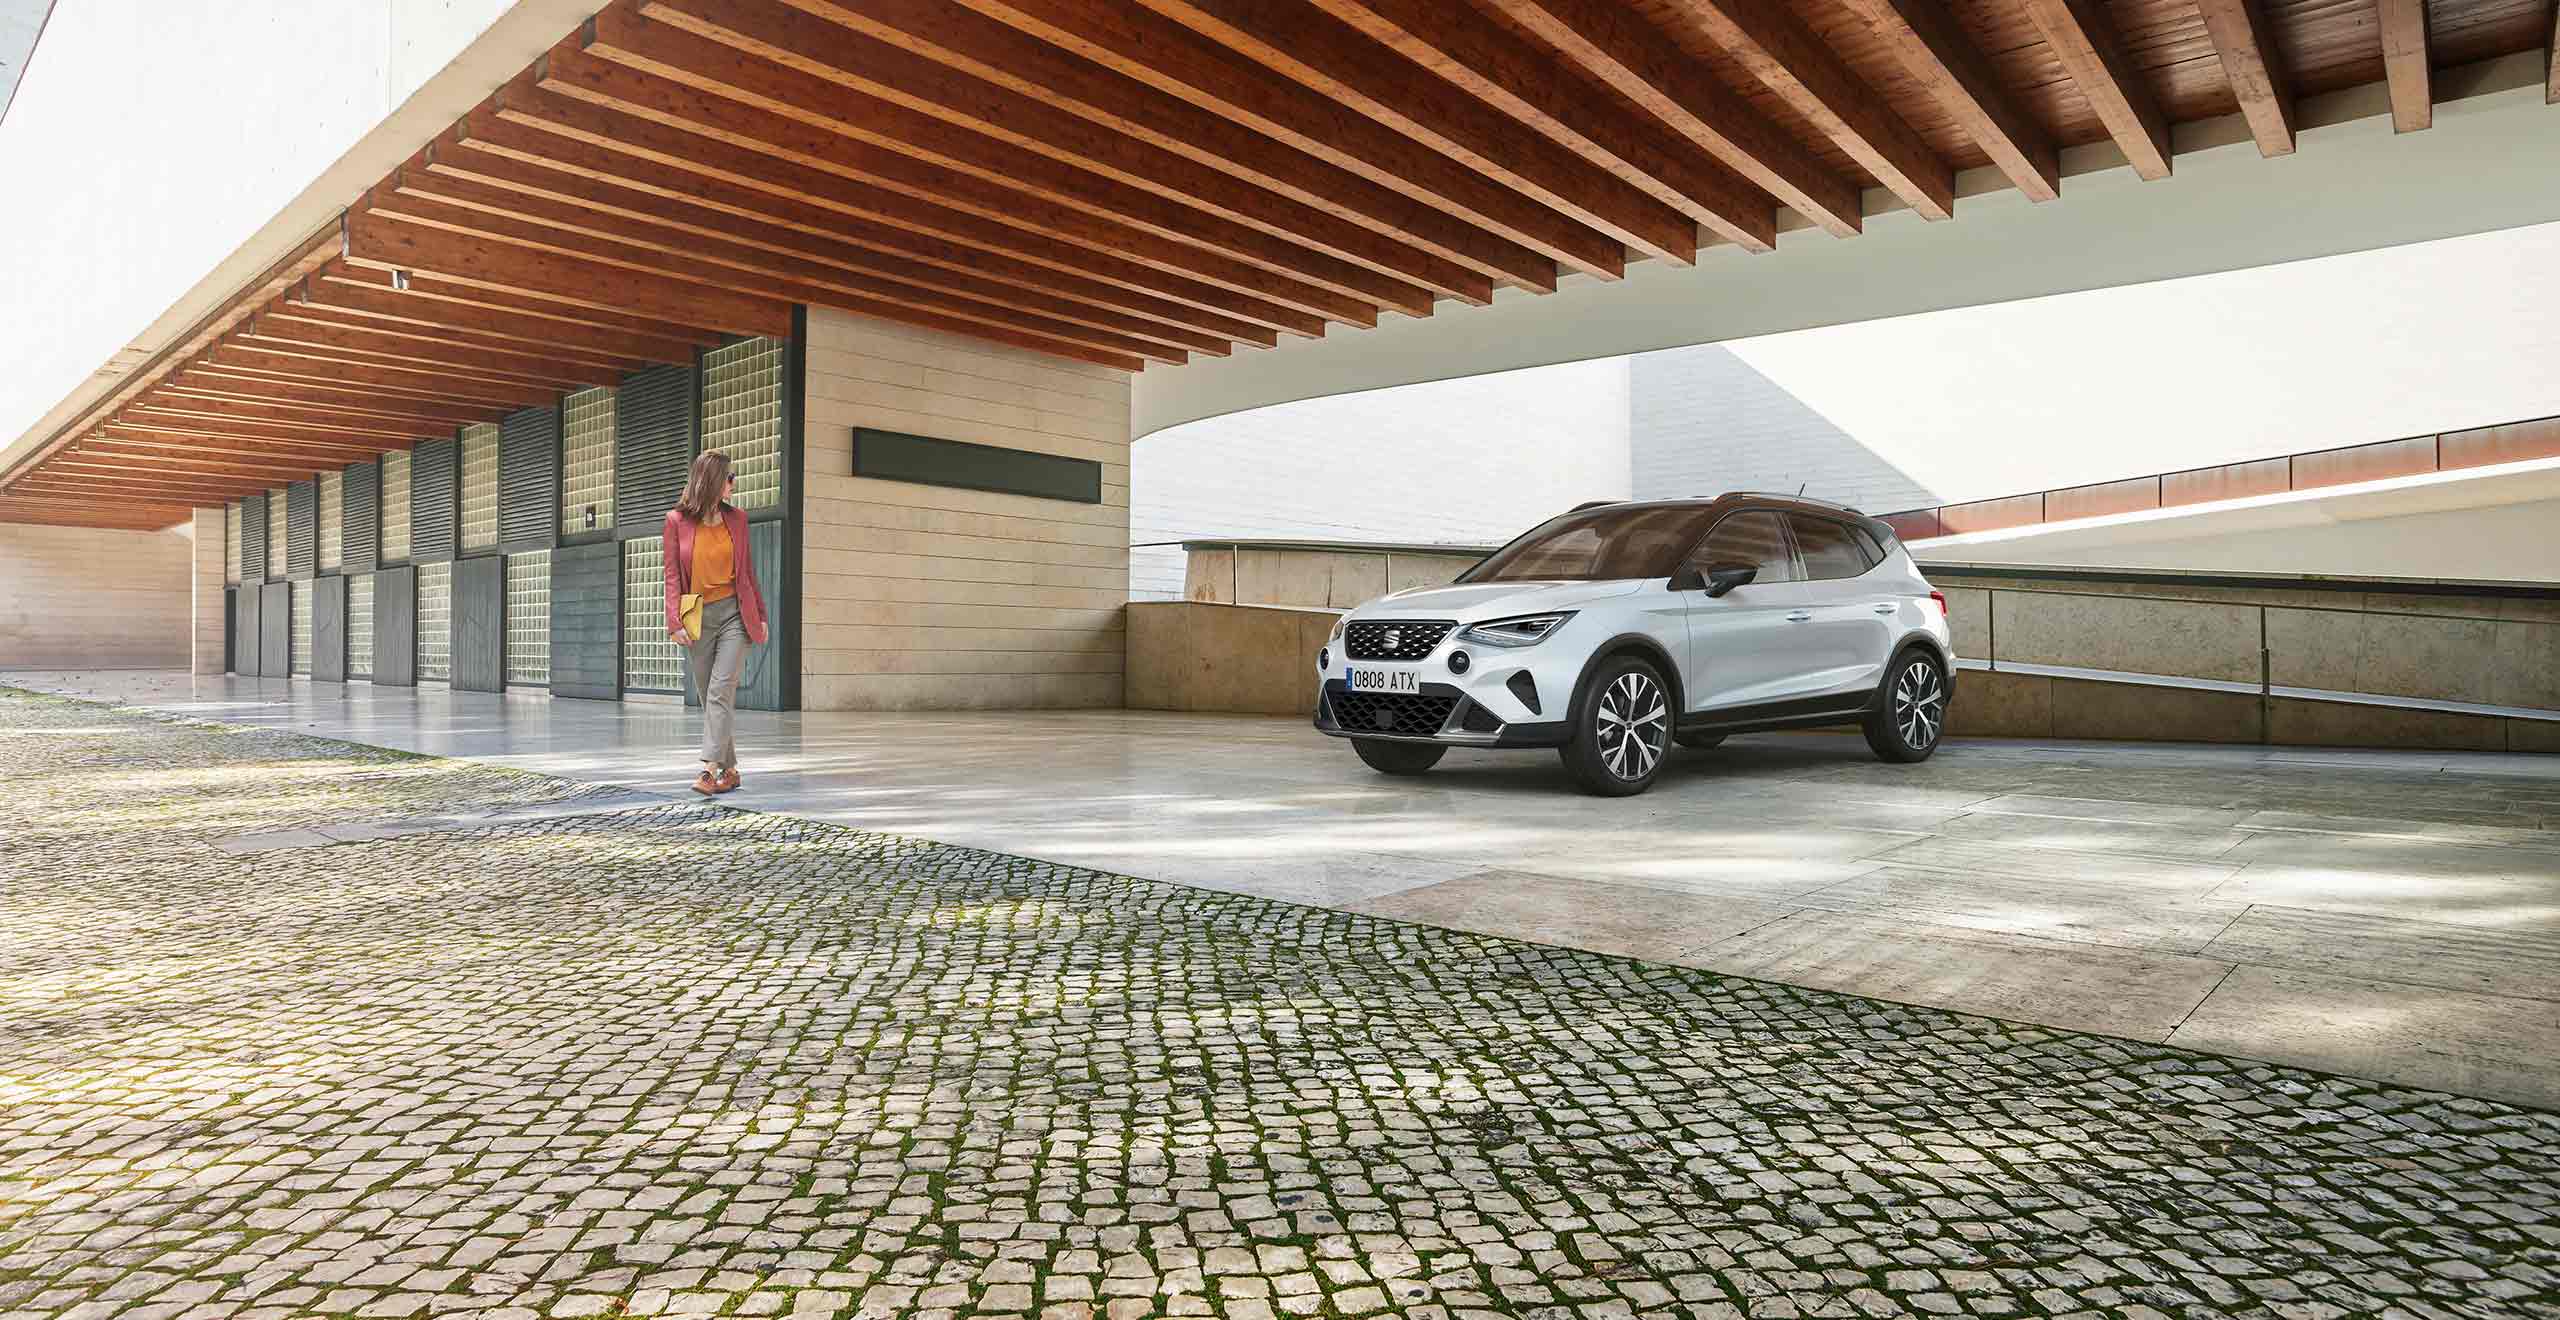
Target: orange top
x,y
715,562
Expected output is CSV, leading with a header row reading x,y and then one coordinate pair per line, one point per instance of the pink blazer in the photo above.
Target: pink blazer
x,y
679,557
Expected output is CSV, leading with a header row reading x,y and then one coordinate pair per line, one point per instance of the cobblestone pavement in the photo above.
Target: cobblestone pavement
x,y
678,1060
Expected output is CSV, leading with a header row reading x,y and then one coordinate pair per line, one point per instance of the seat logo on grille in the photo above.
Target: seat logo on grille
x,y
1394,640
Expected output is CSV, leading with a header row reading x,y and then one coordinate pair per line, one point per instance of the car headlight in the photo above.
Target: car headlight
x,y
1527,630
1340,621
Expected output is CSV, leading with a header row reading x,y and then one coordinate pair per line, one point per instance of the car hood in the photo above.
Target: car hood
x,y
1476,602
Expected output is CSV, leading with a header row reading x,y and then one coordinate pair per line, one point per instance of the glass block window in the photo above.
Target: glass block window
x,y
360,626
300,657
231,543
742,416
276,567
480,487
333,518
435,622
529,618
395,507
651,661
586,462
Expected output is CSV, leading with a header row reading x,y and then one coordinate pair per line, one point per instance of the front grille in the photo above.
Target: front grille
x,y
1413,715
1394,639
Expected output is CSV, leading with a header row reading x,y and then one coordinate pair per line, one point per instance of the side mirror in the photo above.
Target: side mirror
x,y
1722,578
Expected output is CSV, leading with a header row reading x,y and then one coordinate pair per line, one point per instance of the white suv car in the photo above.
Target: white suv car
x,y
1618,629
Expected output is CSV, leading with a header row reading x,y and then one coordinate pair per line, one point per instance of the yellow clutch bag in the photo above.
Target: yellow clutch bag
x,y
689,612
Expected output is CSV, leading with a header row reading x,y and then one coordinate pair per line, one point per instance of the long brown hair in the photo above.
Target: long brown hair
x,y
702,490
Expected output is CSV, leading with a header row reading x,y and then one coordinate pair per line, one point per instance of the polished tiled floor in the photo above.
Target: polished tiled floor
x,y
2385,914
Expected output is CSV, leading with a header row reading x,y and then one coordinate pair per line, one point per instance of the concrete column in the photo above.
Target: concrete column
x,y
205,621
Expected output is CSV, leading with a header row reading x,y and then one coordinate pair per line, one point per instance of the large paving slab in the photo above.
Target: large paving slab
x,y
2098,865
536,1058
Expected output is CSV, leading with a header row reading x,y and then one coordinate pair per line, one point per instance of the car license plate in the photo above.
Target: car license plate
x,y
1385,680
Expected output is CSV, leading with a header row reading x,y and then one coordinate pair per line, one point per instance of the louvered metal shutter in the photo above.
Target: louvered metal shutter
x,y
434,482
253,538
653,428
301,530
528,479
362,552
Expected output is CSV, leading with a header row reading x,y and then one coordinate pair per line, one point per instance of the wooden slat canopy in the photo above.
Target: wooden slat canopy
x,y
1133,183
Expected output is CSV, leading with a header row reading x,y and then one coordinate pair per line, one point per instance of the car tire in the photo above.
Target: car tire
x,y
1910,711
1698,742
1397,758
1622,730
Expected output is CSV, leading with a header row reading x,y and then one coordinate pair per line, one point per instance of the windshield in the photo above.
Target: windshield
x,y
1640,541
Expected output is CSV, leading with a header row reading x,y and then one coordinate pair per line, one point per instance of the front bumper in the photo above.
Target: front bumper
x,y
1441,713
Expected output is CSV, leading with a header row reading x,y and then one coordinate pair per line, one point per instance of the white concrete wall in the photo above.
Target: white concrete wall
x,y
84,598
929,598
1471,462
151,139
1705,422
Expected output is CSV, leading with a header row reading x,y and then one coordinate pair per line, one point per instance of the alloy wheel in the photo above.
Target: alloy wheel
x,y
1635,725
1919,704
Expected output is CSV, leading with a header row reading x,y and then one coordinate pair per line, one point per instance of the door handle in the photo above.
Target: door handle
x,y
1799,616
1887,608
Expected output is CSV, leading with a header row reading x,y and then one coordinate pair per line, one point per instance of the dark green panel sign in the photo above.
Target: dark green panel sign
x,y
896,456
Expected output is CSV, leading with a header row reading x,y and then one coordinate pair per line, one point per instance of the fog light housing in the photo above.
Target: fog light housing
x,y
1458,662
1324,657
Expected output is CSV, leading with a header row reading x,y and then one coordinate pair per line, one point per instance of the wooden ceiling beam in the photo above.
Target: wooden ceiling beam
x,y
1202,277
104,486
1173,59
827,236
1933,47
425,308
2083,39
721,264
2246,47
200,381
423,336
676,229
121,438
573,312
398,382
993,55
779,58
216,487
2405,64
1508,73
800,116
192,417
387,244
286,332
1336,61
1255,265
131,516
1612,43
527,158
102,449
1791,61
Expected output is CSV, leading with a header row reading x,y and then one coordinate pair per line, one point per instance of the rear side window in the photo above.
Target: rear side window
x,y
1757,539
1829,550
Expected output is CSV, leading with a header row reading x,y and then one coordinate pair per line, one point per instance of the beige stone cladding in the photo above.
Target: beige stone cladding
x,y
89,598
921,597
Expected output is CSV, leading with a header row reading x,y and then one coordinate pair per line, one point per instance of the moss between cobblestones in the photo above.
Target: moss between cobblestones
x,y
683,1060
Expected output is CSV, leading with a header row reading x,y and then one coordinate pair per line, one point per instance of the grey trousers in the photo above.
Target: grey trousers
x,y
717,659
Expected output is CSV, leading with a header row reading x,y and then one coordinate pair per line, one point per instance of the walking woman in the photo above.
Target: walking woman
x,y
714,608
